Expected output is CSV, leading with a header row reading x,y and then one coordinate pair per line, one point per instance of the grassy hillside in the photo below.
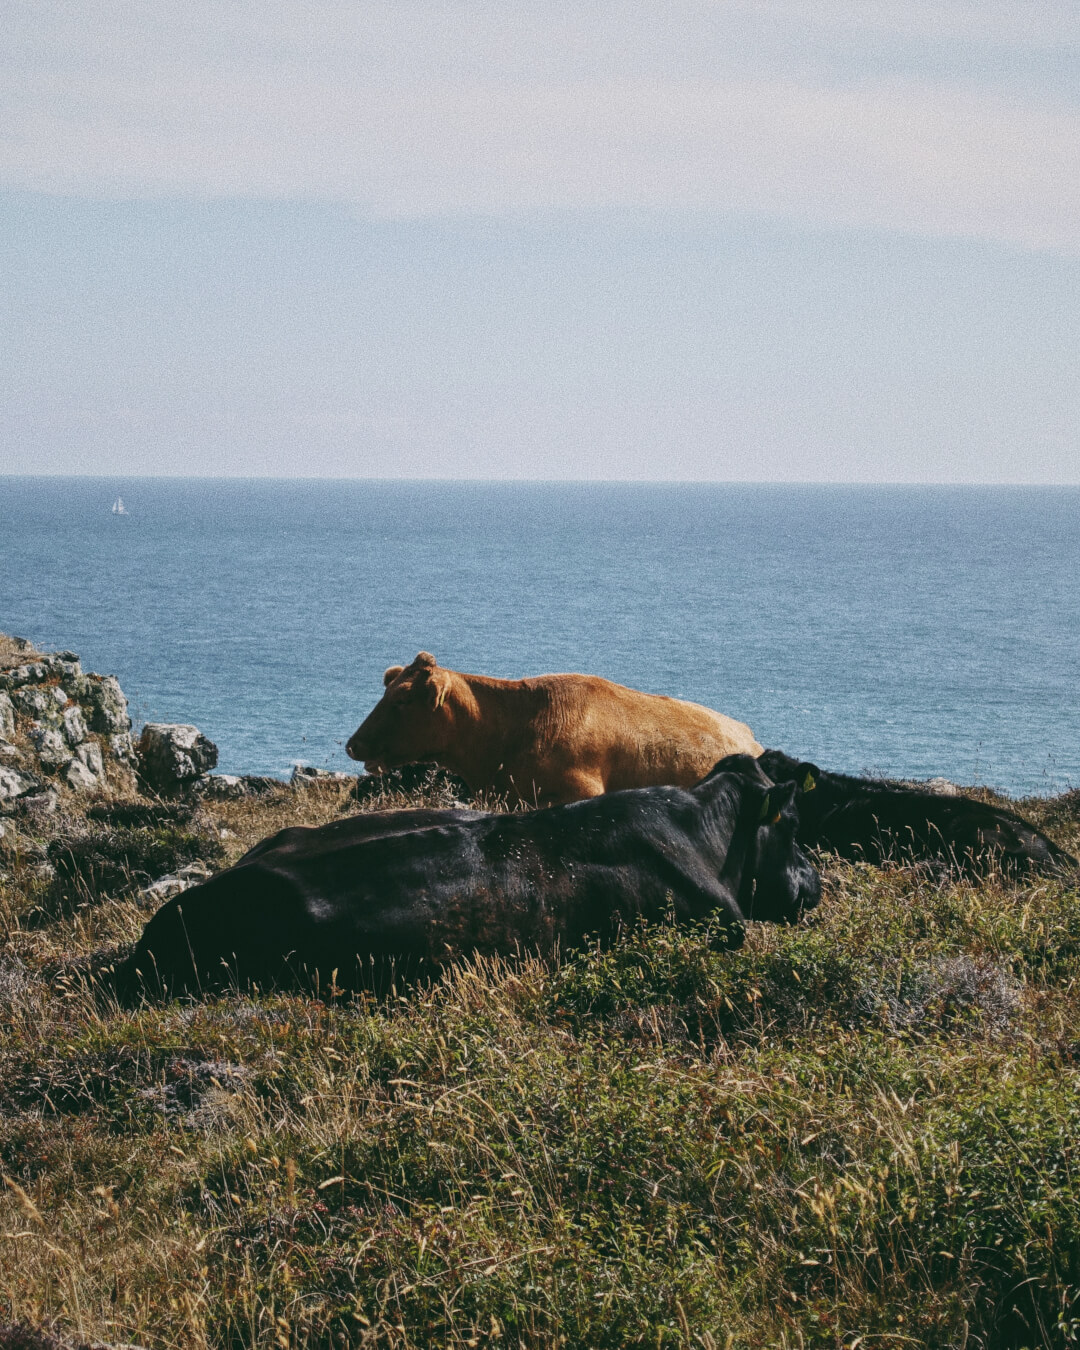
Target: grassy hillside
x,y
863,1131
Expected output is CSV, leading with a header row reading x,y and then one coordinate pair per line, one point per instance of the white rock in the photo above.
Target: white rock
x,y
74,725
122,745
34,702
11,783
109,712
174,884
50,745
31,673
7,717
174,754
304,775
90,754
78,776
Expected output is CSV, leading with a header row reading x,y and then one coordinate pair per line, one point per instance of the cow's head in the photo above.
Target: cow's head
x,y
410,721
816,792
783,883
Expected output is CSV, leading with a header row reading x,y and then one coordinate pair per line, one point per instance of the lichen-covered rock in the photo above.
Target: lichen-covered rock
x,y
90,755
74,725
122,745
108,706
78,686
38,702
173,756
34,672
50,745
174,884
231,786
49,708
222,787
12,783
305,775
86,768
79,776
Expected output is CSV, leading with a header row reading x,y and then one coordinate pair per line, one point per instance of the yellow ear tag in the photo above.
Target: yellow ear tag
x,y
809,782
776,819
764,808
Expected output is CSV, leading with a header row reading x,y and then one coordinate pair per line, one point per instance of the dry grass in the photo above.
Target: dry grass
x,y
249,819
16,651
862,1131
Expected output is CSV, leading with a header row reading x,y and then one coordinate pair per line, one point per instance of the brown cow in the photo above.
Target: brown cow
x,y
543,741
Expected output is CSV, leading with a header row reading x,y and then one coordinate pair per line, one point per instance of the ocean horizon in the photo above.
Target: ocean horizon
x,y
905,630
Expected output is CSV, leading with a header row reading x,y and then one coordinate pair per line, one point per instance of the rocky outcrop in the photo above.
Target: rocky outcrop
x,y
58,723
307,775
86,768
13,783
227,787
173,756
174,883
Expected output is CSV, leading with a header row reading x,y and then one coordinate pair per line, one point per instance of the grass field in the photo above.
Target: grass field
x,y
864,1131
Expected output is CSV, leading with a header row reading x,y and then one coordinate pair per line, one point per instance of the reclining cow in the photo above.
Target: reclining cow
x,y
408,893
874,820
542,741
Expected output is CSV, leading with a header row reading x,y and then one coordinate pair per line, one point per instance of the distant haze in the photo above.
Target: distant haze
x,y
763,240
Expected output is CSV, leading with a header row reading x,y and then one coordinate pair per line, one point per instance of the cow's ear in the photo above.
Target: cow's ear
x,y
390,675
806,776
436,687
775,803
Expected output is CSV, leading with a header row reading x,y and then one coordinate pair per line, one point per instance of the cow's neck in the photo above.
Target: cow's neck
x,y
728,825
490,718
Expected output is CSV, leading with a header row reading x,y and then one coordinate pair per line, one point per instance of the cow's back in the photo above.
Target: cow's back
x,y
624,738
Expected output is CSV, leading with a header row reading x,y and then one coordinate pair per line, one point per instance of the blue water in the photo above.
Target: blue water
x,y
902,630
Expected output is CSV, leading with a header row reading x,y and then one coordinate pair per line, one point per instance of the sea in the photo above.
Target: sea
x,y
904,631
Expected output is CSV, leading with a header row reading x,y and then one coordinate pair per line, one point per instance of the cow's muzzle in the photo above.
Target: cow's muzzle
x,y
808,896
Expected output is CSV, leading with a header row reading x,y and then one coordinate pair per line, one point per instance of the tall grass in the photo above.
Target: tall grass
x,y
862,1131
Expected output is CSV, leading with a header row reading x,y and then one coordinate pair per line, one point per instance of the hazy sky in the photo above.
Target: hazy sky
x,y
776,239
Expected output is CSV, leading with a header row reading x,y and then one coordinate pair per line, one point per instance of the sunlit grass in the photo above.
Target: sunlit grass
x,y
862,1131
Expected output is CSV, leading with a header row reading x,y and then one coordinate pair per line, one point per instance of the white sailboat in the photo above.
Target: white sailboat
x,y
119,509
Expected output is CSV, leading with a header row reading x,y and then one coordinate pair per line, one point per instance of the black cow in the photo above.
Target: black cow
x,y
875,819
409,892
